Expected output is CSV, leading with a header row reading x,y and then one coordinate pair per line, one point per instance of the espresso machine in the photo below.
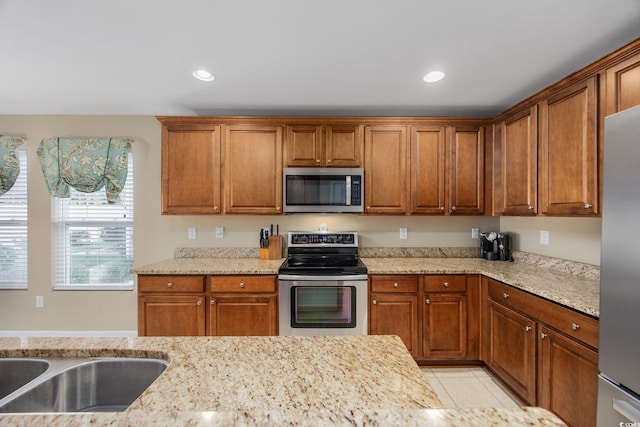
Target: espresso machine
x,y
495,246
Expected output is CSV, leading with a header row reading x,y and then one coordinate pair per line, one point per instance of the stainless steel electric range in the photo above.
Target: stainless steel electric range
x,y
323,285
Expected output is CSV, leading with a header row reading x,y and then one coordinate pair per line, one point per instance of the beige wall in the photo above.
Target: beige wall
x,y
156,235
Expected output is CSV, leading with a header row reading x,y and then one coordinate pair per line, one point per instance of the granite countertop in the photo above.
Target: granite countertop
x,y
564,287
270,381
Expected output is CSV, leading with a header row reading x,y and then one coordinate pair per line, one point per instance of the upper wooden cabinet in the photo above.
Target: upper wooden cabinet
x,y
428,177
386,172
568,176
623,85
324,146
252,169
191,169
465,170
515,164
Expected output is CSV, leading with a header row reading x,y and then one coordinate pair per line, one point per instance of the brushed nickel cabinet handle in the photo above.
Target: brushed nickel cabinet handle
x,y
505,295
395,285
241,284
543,335
527,328
588,205
427,301
170,285
199,302
530,207
446,284
575,326
374,302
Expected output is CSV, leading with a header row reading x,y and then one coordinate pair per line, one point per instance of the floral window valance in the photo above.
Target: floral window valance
x,y
9,164
86,164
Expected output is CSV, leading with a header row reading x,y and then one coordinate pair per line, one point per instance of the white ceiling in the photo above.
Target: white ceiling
x,y
297,57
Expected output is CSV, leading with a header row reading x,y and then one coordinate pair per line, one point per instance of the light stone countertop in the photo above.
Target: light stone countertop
x,y
270,381
570,290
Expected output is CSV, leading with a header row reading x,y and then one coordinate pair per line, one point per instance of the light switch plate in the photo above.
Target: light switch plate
x,y
475,233
39,301
192,232
219,232
403,233
544,237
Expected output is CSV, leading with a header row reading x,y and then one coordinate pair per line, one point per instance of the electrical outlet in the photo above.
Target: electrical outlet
x,y
475,233
39,301
403,233
544,237
192,232
219,232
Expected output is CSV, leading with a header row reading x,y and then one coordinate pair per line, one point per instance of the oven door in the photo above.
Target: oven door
x,y
316,305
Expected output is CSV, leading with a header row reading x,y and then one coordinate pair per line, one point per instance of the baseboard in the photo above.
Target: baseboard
x,y
57,333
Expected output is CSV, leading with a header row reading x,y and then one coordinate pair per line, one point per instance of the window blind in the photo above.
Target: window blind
x,y
93,239
13,231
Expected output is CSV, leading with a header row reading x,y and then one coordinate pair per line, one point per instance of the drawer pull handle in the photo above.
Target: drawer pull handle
x,y
212,302
575,326
446,284
241,284
527,328
395,285
588,205
170,285
199,302
530,207
543,335
427,301
505,295
374,302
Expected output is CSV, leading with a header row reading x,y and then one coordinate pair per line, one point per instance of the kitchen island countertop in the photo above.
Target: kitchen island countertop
x,y
270,381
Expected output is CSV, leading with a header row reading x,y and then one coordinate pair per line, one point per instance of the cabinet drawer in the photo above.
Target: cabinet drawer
x,y
171,283
243,284
572,323
438,283
396,283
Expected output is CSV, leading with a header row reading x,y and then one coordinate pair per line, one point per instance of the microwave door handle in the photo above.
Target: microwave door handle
x,y
348,191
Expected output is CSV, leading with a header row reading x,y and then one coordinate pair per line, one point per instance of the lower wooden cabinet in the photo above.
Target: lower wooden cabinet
x,y
568,374
207,305
444,326
512,350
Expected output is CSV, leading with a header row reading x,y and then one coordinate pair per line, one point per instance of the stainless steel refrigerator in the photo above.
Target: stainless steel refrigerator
x,y
619,354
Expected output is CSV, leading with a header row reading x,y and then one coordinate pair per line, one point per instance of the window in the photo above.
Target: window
x,y
13,231
93,240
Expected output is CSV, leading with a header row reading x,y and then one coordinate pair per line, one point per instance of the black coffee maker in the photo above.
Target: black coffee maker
x,y
495,246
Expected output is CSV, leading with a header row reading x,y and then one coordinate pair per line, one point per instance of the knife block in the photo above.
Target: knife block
x,y
275,247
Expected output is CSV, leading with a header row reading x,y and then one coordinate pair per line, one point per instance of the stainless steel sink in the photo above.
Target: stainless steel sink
x,y
14,373
85,385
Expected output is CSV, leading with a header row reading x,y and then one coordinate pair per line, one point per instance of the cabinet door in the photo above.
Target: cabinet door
x,y
568,379
386,170
191,170
231,315
343,146
428,175
171,315
466,170
516,164
512,350
623,85
445,326
395,314
252,169
304,146
568,179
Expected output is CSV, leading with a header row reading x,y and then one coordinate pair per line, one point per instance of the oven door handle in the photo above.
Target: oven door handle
x,y
341,278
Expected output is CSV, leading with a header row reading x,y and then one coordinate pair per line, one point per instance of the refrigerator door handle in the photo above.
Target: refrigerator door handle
x,y
627,409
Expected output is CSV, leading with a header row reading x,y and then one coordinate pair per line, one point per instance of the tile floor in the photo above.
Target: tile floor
x,y
468,388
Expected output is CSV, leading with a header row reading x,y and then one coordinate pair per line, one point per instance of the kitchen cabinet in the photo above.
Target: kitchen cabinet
x,y
171,305
444,317
568,374
243,306
386,171
324,146
191,169
623,85
522,328
515,164
428,170
465,170
252,169
568,175
393,308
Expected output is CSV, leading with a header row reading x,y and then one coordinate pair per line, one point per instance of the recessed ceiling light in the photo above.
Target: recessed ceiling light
x,y
202,74
433,76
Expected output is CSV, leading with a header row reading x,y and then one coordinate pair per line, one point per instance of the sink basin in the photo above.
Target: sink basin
x,y
14,373
88,385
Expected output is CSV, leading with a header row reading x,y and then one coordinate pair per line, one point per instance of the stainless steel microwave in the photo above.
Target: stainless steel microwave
x,y
323,190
